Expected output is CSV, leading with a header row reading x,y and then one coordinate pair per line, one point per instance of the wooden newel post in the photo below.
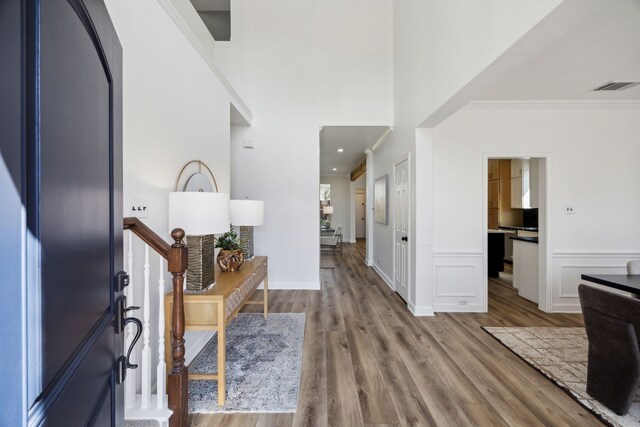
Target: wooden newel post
x,y
178,377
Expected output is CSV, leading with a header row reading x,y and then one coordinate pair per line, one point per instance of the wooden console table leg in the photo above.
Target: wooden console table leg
x,y
221,355
265,297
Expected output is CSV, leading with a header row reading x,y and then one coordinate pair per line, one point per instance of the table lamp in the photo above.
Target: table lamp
x,y
247,214
200,215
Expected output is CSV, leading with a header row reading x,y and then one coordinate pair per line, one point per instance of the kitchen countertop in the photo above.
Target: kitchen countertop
x,y
526,239
514,227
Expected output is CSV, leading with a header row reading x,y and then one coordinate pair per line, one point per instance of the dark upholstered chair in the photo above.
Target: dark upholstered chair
x,y
612,323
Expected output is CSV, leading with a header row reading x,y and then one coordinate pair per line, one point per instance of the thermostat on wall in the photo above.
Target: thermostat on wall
x,y
247,143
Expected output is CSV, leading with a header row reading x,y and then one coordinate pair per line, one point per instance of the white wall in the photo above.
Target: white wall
x,y
592,160
301,65
438,48
175,110
340,196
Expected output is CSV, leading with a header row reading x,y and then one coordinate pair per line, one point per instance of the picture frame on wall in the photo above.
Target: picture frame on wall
x,y
380,200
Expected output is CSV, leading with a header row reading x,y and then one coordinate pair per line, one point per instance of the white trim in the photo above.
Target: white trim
x,y
420,310
454,308
312,286
381,140
451,254
205,47
368,263
566,308
552,105
194,343
383,276
595,254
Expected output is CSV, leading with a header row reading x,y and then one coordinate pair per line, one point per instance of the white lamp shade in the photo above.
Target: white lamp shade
x,y
328,210
199,213
247,212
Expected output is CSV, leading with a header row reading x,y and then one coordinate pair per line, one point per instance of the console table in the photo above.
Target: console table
x,y
213,308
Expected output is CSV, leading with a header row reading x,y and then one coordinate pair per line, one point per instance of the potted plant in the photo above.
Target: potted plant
x,y
230,257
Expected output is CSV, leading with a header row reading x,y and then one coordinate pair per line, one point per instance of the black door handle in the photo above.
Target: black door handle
x,y
124,362
404,239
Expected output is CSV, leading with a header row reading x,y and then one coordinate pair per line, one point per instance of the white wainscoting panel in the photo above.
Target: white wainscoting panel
x,y
568,266
457,278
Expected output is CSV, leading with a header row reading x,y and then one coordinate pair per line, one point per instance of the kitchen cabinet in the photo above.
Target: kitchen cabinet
x,y
494,193
494,219
525,269
494,169
522,185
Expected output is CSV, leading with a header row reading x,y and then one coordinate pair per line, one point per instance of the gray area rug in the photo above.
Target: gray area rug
x,y
264,362
561,355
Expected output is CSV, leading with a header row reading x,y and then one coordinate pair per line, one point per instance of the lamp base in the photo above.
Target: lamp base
x,y
246,241
202,261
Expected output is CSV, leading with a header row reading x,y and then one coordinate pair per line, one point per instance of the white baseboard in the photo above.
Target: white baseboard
x,y
383,276
421,310
352,241
368,263
194,343
566,308
454,308
311,286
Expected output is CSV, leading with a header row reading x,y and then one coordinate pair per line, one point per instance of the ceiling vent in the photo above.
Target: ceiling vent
x,y
615,86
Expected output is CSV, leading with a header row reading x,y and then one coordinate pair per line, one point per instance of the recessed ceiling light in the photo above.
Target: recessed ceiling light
x,y
340,150
335,169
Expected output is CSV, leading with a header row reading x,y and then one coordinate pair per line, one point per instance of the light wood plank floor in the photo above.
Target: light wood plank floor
x,y
368,361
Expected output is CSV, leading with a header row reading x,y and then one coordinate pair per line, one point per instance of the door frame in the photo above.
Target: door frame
x,y
544,236
407,158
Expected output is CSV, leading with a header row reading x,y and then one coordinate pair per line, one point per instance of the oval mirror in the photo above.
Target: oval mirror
x,y
198,182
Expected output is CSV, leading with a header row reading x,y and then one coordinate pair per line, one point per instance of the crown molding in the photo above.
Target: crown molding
x,y
205,45
553,105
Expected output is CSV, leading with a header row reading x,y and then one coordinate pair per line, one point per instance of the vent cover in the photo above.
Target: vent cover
x,y
615,86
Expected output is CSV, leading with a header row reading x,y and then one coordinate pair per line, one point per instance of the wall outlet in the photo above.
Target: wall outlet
x,y
463,302
568,210
138,208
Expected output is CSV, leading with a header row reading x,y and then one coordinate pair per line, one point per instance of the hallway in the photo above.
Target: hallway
x,y
367,360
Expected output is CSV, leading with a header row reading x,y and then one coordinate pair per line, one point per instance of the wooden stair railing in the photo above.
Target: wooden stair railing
x,y
177,260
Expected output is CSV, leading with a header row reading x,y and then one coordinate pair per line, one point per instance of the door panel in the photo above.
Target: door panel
x,y
361,212
401,228
75,181
74,173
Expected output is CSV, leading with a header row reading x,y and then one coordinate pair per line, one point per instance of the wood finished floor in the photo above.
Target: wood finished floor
x,y
368,361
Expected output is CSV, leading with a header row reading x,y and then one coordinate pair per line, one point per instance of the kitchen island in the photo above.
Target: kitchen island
x,y
525,267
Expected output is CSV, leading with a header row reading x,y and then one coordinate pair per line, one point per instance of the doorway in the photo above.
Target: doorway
x,y
516,235
361,218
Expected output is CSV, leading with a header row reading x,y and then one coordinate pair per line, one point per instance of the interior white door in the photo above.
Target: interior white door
x,y
361,210
401,228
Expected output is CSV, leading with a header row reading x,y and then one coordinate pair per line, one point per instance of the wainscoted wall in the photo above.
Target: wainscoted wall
x,y
568,266
457,278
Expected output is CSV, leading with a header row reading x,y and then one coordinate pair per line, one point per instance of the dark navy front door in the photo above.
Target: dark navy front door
x,y
71,181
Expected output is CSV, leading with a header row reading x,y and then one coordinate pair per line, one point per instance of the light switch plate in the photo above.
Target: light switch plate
x,y
138,208
569,210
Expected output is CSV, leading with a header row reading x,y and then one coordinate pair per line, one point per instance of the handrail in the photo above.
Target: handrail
x,y
177,261
148,236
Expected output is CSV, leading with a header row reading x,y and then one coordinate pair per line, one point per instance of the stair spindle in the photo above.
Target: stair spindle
x,y
162,366
146,349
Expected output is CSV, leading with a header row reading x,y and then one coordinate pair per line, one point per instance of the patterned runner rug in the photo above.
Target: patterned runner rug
x,y
561,355
264,362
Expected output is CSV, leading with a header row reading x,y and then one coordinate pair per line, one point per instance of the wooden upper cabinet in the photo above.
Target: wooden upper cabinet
x,y
494,193
494,169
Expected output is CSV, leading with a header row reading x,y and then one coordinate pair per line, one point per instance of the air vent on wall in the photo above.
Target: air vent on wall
x,y
615,86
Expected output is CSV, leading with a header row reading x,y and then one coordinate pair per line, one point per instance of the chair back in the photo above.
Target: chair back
x,y
608,304
338,231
